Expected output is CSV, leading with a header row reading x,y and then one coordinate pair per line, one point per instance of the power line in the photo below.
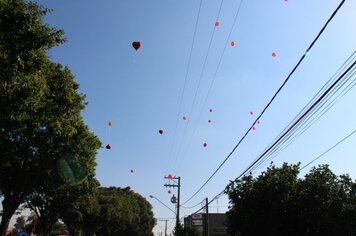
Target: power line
x,y
190,207
316,102
214,76
185,83
199,82
331,148
328,150
299,119
270,102
314,115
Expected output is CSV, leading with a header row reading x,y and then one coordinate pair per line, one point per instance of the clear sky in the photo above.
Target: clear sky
x,y
139,92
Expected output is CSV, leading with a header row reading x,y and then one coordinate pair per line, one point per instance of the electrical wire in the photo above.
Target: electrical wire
x,y
331,148
328,150
338,143
269,103
299,119
199,203
199,82
185,83
214,76
277,150
304,125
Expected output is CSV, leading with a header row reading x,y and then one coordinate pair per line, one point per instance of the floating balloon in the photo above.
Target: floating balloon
x,y
274,54
136,45
232,43
169,191
110,123
253,128
210,110
108,146
251,113
131,170
205,145
184,118
160,131
258,122
169,176
209,121
217,23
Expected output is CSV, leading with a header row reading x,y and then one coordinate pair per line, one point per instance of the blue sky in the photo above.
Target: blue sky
x,y
139,92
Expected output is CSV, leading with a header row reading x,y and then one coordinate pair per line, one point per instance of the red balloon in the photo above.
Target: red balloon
x,y
253,128
205,145
210,110
136,45
170,176
131,170
160,131
209,121
110,123
217,23
184,118
108,146
251,113
258,122
274,54
169,191
232,43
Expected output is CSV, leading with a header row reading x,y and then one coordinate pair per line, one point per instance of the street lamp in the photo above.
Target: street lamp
x,y
151,196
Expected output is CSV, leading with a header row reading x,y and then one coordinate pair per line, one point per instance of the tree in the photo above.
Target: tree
x,y
39,101
83,213
123,212
67,183
279,203
186,231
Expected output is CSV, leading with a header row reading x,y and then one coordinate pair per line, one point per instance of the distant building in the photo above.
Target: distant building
x,y
216,225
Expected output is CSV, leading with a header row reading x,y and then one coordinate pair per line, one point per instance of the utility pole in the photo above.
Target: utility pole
x,y
176,184
206,217
165,227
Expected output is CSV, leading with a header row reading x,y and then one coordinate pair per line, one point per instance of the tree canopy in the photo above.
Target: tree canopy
x,y
186,231
40,120
279,203
123,212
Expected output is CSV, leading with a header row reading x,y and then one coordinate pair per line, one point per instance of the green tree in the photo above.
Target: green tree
x,y
279,203
186,231
123,212
62,189
54,201
83,214
39,101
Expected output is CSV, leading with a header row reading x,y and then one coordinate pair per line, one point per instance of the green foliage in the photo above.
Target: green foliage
x,y
24,38
187,231
83,213
279,203
40,120
123,212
